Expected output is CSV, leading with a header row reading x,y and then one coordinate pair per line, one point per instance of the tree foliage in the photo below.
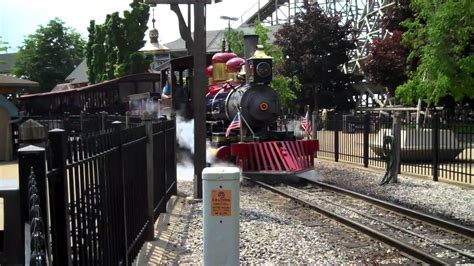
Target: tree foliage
x,y
314,48
3,45
440,40
113,46
386,64
235,39
387,60
3,48
50,54
284,86
396,14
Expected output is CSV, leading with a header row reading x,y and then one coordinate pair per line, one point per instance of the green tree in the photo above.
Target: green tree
x,y
440,40
3,48
235,39
50,54
114,45
283,85
3,45
314,48
386,63
91,73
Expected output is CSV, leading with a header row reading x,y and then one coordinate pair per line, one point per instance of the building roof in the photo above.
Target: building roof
x,y
65,88
16,83
9,84
79,74
214,44
7,61
214,39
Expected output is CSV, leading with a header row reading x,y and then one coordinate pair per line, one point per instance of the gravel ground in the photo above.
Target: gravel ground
x,y
274,230
439,199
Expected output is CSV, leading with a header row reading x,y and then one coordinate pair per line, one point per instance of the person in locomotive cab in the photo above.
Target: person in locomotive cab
x,y
179,93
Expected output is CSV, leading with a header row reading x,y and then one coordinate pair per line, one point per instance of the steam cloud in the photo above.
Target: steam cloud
x,y
185,139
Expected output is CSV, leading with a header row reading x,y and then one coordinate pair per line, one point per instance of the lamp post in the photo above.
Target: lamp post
x,y
228,20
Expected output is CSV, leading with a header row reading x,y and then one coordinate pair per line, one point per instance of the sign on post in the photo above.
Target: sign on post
x,y
221,211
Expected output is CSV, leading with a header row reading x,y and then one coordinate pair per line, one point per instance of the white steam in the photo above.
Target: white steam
x,y
185,133
185,139
185,169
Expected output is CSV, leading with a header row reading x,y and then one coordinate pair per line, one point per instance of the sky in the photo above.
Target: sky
x,y
19,18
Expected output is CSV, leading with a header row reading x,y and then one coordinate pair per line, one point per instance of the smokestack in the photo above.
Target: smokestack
x,y
250,46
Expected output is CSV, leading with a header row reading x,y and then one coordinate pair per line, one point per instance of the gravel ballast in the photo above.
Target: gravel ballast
x,y
274,230
440,199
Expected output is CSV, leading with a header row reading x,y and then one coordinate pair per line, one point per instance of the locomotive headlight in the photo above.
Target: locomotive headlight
x,y
263,106
263,69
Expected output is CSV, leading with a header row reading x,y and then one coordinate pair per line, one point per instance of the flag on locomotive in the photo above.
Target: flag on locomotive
x,y
233,125
306,124
254,107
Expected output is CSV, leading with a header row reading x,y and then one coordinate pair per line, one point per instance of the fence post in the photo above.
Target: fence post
x,y
58,194
147,121
81,120
366,138
336,139
67,122
174,190
31,157
127,119
435,145
103,120
118,126
314,124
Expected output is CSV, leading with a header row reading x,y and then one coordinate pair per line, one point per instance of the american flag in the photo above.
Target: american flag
x,y
234,124
306,123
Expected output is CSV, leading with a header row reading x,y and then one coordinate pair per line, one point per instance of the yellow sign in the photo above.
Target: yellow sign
x,y
221,202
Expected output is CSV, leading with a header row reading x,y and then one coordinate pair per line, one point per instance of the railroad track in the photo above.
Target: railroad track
x,y
422,237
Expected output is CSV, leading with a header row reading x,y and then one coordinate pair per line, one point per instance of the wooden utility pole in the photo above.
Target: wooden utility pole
x,y
196,47
199,96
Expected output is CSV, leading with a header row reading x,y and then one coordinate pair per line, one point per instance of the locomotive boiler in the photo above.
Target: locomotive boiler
x,y
260,148
256,101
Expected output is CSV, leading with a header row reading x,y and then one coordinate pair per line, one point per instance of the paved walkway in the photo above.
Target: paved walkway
x,y
154,252
8,178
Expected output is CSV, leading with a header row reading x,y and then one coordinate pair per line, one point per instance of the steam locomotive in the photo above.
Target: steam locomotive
x,y
260,147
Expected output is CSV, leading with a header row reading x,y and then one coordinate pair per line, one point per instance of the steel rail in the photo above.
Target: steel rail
x,y
447,225
388,223
403,247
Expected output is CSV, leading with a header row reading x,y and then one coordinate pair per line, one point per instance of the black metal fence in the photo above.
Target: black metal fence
x,y
83,123
38,251
440,147
99,196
